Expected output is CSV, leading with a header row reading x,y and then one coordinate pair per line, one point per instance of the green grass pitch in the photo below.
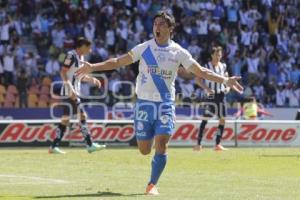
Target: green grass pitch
x,y
122,173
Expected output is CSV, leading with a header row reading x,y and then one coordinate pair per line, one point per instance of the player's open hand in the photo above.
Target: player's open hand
x,y
85,69
209,91
234,84
96,82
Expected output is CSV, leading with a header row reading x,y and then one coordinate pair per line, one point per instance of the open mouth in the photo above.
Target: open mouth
x,y
157,33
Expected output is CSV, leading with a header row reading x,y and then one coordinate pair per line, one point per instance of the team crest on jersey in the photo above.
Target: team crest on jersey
x,y
140,126
68,59
164,119
161,58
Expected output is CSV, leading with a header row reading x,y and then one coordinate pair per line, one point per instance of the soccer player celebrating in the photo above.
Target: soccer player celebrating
x,y
71,88
159,60
215,97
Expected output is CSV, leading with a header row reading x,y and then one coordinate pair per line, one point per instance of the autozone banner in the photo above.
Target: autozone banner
x,y
28,134
236,133
241,133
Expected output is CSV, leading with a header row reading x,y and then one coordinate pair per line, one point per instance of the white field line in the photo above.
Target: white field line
x,y
31,179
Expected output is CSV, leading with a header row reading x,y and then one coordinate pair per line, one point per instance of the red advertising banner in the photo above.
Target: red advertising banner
x,y
236,133
241,133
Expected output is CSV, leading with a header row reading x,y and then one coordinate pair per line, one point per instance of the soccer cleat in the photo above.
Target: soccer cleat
x,y
151,190
197,148
220,148
55,150
95,147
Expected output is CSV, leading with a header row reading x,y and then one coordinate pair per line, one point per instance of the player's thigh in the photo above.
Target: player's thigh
x,y
161,143
143,125
144,134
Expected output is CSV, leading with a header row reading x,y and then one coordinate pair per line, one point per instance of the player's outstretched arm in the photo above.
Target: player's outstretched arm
x,y
205,73
107,65
91,80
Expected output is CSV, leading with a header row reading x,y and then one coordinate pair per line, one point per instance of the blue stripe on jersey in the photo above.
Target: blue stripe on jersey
x,y
158,81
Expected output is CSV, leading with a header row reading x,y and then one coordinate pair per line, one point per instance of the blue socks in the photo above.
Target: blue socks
x,y
158,164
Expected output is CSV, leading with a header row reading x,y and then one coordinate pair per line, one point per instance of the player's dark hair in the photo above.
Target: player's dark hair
x,y
216,49
81,41
167,16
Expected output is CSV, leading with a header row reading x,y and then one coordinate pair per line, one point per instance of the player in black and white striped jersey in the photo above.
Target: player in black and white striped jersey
x,y
215,98
71,89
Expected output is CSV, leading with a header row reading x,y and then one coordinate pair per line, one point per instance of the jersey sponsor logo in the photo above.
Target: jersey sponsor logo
x,y
164,73
161,58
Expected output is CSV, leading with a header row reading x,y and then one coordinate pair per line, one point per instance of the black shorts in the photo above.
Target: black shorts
x,y
71,107
215,106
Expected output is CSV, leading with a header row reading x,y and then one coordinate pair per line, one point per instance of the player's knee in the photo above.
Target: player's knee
x,y
145,151
222,121
82,116
65,120
161,147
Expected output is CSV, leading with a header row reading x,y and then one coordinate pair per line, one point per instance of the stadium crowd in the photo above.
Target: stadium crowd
x,y
261,39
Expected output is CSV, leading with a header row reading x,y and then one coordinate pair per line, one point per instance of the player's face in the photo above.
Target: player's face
x,y
85,49
217,56
161,30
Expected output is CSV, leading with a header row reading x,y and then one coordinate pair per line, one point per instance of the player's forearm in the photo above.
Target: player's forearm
x,y
204,73
63,75
107,65
202,85
212,76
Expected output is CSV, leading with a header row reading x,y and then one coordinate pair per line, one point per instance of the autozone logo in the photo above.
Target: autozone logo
x,y
21,132
247,132
27,133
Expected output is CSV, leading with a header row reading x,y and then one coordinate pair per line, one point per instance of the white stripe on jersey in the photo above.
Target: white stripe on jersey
x,y
221,70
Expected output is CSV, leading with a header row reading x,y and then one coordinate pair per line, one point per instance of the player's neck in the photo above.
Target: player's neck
x,y
215,63
78,52
162,42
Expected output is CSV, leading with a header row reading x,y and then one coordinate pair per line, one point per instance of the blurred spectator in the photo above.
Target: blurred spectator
x,y
9,67
187,88
281,95
30,64
5,34
295,75
195,50
113,88
22,86
293,95
52,66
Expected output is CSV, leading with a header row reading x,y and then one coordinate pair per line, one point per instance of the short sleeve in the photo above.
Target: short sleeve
x,y
136,52
69,60
186,59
